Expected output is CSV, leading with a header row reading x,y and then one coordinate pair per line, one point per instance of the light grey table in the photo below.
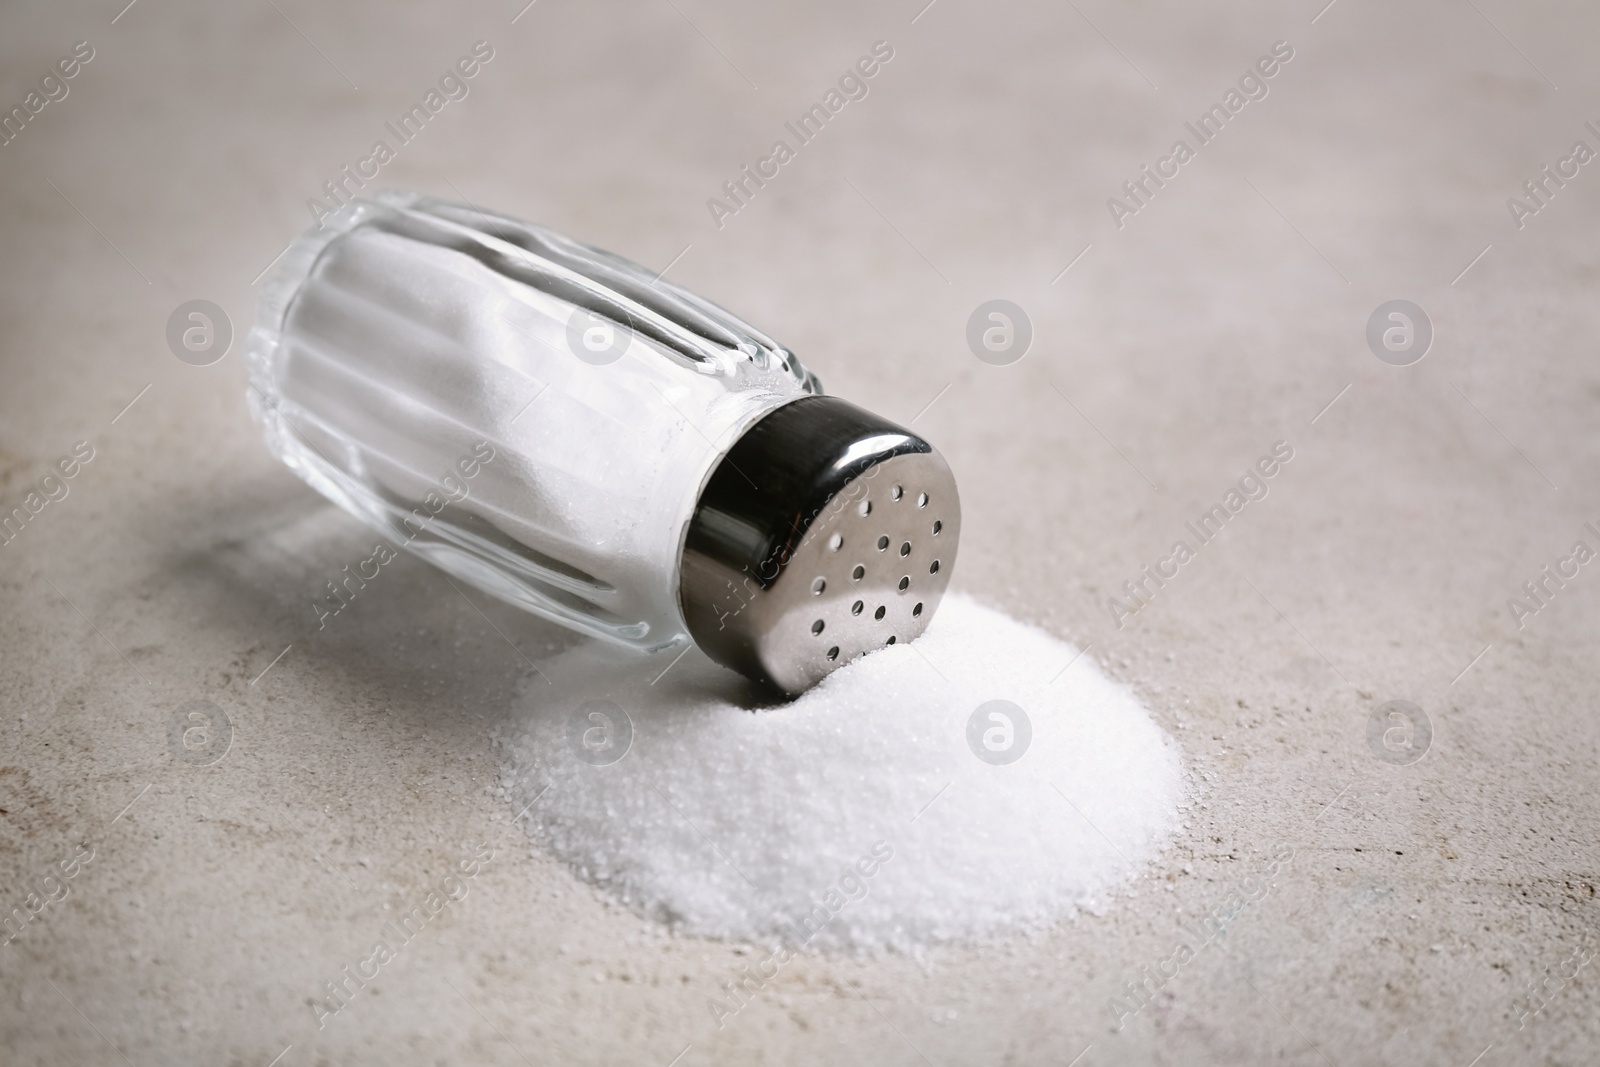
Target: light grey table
x,y
1173,345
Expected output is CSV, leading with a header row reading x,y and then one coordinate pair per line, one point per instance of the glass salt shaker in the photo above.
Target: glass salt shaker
x,y
561,429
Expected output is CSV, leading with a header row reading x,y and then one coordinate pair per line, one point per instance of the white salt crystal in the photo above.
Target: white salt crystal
x,y
738,824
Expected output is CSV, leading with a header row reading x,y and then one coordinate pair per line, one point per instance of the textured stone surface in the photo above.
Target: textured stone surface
x,y
1221,318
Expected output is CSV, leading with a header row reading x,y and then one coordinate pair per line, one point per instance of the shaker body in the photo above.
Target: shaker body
x,y
530,414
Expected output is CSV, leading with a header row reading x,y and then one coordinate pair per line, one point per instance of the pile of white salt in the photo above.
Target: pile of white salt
x,y
859,815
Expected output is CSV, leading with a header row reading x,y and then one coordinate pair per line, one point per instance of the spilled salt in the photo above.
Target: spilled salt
x,y
858,816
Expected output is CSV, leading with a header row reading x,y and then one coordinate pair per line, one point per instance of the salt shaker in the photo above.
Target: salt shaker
x,y
562,429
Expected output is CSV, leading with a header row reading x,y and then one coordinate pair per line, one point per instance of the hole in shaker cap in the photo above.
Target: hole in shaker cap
x,y
833,653
933,568
916,611
836,542
865,508
816,627
905,583
880,612
922,500
937,526
883,543
890,641
859,573
896,493
822,583
905,548
855,609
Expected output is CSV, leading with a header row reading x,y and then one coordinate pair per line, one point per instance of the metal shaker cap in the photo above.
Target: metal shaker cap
x,y
825,533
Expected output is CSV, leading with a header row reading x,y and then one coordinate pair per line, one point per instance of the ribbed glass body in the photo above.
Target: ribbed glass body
x,y
532,415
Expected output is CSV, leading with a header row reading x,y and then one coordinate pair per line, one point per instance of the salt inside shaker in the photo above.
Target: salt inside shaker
x,y
562,429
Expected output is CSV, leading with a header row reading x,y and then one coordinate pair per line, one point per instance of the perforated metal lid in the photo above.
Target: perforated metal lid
x,y
825,533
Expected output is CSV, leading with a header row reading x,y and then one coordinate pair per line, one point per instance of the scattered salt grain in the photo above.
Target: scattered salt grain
x,y
745,825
